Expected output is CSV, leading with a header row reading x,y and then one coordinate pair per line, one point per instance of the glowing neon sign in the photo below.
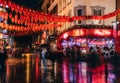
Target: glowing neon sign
x,y
89,32
65,35
98,42
78,32
102,32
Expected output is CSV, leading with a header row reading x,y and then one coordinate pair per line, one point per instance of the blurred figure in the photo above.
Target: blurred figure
x,y
106,72
43,53
76,53
107,53
3,57
94,58
13,51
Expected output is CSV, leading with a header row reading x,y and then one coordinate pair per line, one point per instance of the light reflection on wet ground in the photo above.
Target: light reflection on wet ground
x,y
30,70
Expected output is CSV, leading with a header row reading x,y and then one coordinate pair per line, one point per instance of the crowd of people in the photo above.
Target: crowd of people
x,y
106,52
94,54
73,54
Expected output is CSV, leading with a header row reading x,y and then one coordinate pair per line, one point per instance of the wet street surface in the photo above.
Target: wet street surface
x,y
31,70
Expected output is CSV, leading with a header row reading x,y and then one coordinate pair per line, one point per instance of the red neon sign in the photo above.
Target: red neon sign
x,y
98,42
102,32
65,35
81,40
78,32
89,32
118,33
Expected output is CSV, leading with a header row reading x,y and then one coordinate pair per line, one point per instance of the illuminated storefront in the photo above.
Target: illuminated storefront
x,y
87,37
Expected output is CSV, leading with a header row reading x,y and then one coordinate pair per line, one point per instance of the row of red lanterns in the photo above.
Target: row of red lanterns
x,y
29,14
15,19
31,18
28,29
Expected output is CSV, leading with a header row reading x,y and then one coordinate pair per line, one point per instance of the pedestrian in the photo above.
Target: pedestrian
x,y
106,72
44,55
3,58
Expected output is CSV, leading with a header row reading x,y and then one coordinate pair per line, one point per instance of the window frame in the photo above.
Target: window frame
x,y
97,9
83,8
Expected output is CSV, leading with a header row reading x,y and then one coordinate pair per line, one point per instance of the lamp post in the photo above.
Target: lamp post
x,y
115,33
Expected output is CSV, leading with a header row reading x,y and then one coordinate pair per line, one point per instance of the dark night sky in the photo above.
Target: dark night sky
x,y
33,4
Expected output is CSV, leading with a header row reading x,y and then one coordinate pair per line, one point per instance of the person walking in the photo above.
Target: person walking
x,y
44,53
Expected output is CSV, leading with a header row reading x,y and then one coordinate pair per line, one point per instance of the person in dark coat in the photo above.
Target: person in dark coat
x,y
94,58
3,57
44,51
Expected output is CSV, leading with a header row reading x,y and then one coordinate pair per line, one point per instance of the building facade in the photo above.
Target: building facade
x,y
86,8
45,6
73,8
118,7
51,7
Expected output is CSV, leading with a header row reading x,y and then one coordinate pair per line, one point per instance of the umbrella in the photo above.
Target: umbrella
x,y
44,46
47,46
